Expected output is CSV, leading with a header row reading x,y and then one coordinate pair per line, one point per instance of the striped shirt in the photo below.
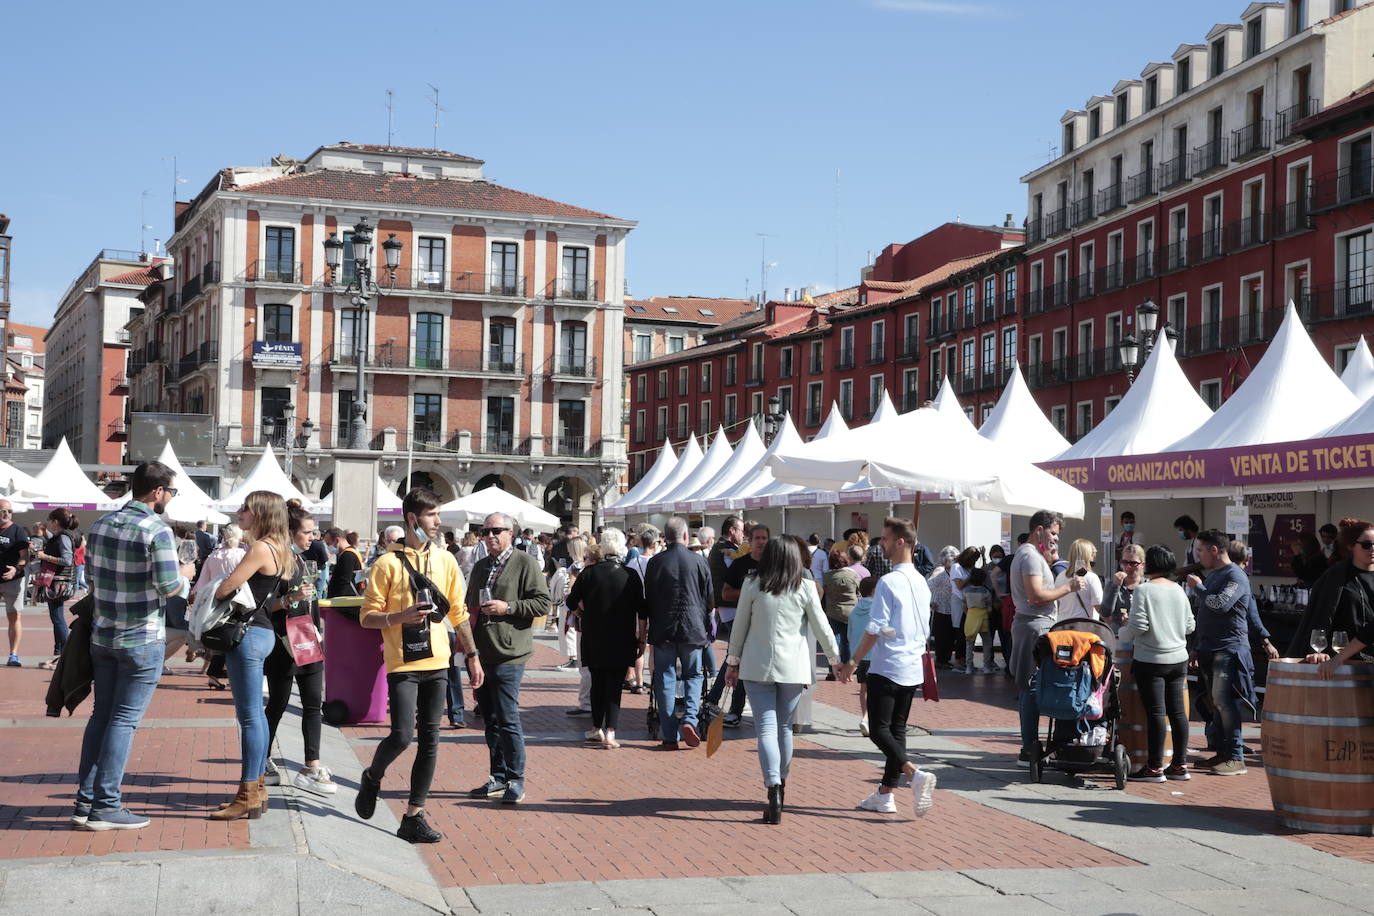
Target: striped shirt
x,y
131,560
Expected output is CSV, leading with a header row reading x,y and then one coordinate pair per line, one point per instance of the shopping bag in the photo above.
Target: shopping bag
x,y
303,640
930,690
715,732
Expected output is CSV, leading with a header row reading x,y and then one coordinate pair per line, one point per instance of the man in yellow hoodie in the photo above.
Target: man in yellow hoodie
x,y
410,590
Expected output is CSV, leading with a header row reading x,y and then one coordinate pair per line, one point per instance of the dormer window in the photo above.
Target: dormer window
x,y
1254,38
1094,124
1123,108
1217,58
1068,138
1151,93
373,166
1184,80
1297,16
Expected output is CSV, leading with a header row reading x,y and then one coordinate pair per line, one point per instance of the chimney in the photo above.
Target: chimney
x,y
1010,223
787,294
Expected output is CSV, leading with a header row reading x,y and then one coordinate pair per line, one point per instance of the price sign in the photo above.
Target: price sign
x,y
1238,521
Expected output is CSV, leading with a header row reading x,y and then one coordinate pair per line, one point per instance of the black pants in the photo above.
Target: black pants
x,y
889,706
948,639
606,687
1161,691
217,667
280,668
417,704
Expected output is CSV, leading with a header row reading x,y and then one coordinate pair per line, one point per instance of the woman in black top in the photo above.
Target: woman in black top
x,y
606,598
59,554
1343,598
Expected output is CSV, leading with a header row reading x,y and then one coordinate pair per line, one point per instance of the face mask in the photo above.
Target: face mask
x,y
420,535
1128,526
1183,535
297,548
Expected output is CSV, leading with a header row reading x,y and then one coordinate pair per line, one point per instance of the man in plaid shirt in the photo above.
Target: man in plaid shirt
x,y
132,557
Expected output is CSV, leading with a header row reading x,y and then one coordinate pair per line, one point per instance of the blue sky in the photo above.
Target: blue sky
x,y
708,122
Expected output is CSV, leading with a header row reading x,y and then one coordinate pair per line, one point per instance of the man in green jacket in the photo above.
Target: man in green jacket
x,y
505,593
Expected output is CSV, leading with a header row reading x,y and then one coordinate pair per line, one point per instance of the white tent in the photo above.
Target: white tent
x,y
930,451
687,462
717,457
1018,423
1359,372
947,402
1291,394
1155,411
63,483
191,504
388,503
787,440
745,458
760,476
475,507
266,475
662,469
11,478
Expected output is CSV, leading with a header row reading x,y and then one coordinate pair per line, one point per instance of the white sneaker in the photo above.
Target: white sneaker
x,y
923,792
271,775
883,804
316,780
863,726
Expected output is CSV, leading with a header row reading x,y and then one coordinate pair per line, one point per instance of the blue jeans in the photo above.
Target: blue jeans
x,y
456,664
841,631
124,683
499,697
57,613
666,659
1218,672
245,681
775,706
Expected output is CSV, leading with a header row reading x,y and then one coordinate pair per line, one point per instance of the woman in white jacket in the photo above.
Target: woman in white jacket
x,y
770,649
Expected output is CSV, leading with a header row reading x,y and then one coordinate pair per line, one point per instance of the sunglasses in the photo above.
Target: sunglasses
x,y
170,490
1130,562
491,532
1367,545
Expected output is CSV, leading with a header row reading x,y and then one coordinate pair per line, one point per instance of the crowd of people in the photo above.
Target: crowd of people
x,y
884,611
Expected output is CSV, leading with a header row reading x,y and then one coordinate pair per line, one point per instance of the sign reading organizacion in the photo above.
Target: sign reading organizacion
x,y
271,354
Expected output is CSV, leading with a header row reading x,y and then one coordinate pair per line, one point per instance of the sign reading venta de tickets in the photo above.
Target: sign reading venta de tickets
x,y
269,353
1303,461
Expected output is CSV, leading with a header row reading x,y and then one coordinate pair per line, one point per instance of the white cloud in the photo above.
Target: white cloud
x,y
939,7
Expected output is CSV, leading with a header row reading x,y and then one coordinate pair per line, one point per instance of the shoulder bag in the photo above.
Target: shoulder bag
x,y
228,635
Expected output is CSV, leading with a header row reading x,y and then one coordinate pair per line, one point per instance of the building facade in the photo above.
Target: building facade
x,y
6,243
24,386
490,353
85,397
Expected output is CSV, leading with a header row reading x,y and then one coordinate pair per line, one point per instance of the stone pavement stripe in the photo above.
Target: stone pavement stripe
x,y
532,898
987,906
901,884
79,722
786,889
1109,900
1270,900
655,893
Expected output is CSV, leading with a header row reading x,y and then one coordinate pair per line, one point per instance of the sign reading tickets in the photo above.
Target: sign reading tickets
x,y
1282,462
270,354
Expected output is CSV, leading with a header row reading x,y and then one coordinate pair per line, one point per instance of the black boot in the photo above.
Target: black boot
x,y
773,814
782,793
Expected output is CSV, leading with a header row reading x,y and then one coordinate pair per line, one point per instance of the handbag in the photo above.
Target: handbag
x,y
227,635
930,689
303,640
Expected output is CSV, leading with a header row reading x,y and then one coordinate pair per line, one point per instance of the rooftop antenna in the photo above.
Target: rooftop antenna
x,y
437,109
764,265
390,115
176,179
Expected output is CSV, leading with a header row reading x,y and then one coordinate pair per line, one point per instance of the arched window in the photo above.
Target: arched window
x,y
276,324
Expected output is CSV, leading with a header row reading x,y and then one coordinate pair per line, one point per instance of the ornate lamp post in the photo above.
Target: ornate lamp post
x,y
772,420
362,289
1134,352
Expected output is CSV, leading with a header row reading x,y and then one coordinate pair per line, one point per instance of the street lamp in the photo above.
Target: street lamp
x,y
772,420
362,289
1131,350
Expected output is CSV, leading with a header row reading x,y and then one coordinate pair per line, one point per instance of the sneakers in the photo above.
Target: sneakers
x,y
271,776
570,665
1177,772
366,802
514,794
883,804
1147,774
689,734
1211,762
1230,768
1023,760
579,711
415,829
316,780
922,792
863,726
731,721
14,661
81,812
114,819
489,789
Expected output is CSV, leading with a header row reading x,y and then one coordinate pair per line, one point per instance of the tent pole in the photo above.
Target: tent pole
x,y
916,513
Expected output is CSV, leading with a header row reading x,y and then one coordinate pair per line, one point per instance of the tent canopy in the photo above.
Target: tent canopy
x,y
191,504
475,507
63,483
686,463
744,460
1018,422
266,475
717,457
1359,372
947,403
662,468
388,503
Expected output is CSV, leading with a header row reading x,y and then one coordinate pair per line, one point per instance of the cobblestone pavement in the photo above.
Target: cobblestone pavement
x,y
644,830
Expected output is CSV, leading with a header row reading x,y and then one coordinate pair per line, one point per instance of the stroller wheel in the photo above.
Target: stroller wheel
x,y
1121,765
1037,769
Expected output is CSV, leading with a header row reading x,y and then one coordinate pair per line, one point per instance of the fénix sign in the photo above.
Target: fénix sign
x,y
1282,462
270,354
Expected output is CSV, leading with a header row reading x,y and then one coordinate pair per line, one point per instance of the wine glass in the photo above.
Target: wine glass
x,y
310,569
187,550
1339,640
1317,640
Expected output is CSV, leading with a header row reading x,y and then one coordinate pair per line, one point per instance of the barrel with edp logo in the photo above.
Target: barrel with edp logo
x,y
1319,746
1131,732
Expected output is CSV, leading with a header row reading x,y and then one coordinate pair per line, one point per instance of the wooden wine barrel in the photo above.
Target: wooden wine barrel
x,y
1319,747
1131,726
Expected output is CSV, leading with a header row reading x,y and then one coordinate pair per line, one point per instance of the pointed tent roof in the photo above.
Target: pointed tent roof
x,y
266,475
1291,394
63,483
191,504
886,410
1359,372
717,457
1161,405
832,431
947,402
1018,422
475,507
760,476
388,503
11,478
662,467
686,463
746,457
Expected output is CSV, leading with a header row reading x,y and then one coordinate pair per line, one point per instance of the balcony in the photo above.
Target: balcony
x,y
1035,231
877,353
989,310
1176,255
1058,295
911,400
1084,210
1283,124
575,289
1174,172
119,382
843,360
1056,222
500,444
206,353
1292,218
847,411
786,369
909,350
1246,233
755,378
933,326
1110,277
395,358
1008,303
577,447
575,366
968,317
1035,302
1209,157
1084,286
1250,141
1139,268
273,271
1347,186
817,364
1140,186
933,388
1110,199
171,303
1238,330
117,428
813,415
1344,299
1208,245
198,283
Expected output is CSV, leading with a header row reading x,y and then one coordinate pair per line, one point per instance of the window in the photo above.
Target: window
x,y
505,268
785,399
1109,404
1358,160
706,373
846,348
1183,78
1009,347
643,346
642,387
575,264
1217,58
1211,392
704,411
1123,108
1084,423
814,394
785,363
1068,138
1254,37
662,383
1009,291
989,354
731,414
281,255
875,393
274,404
935,376
348,335
1343,354
432,263
675,343
912,334
427,421
1211,318
572,427
429,341
572,348
343,415
817,356
501,346
684,379
911,389
639,425
990,297
500,437
756,411
1297,16
847,399
1058,418
1152,93
1095,123
1356,272
1176,312
661,429
276,324
1252,308
731,370
968,346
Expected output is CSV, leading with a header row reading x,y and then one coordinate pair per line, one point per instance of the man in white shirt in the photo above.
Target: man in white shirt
x,y
897,632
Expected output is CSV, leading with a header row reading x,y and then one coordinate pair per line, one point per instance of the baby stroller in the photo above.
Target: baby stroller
x,y
1076,686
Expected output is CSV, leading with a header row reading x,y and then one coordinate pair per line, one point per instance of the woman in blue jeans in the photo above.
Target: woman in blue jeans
x,y
59,554
267,567
770,649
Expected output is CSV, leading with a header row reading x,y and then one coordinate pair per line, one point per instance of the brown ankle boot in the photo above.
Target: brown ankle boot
x,y
245,804
263,797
